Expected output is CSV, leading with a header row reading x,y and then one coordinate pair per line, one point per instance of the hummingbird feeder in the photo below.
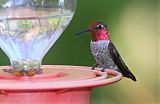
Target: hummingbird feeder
x,y
28,29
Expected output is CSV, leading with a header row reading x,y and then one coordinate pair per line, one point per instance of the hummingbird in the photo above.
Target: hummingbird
x,y
104,51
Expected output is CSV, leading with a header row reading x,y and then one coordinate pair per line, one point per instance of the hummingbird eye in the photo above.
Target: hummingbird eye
x,y
100,26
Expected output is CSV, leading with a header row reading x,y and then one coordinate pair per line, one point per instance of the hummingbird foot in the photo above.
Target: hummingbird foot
x,y
94,66
103,70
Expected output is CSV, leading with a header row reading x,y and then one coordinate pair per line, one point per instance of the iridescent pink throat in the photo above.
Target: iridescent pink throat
x,y
100,35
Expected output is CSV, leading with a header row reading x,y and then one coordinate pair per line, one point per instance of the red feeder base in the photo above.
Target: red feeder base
x,y
57,85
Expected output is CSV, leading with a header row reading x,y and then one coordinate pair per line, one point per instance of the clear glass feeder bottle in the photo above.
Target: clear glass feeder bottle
x,y
28,28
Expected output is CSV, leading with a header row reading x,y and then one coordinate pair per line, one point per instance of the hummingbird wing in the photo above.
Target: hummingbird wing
x,y
119,62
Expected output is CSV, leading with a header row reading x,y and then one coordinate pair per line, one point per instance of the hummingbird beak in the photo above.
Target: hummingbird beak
x,y
82,31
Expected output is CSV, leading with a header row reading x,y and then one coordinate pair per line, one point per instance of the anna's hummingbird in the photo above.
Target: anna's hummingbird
x,y
103,50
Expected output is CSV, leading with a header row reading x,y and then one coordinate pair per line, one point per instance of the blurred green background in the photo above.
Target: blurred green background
x,y
133,26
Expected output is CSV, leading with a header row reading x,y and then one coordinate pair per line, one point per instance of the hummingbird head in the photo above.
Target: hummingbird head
x,y
98,31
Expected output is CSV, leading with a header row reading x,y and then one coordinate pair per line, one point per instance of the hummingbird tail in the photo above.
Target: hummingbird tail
x,y
130,75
